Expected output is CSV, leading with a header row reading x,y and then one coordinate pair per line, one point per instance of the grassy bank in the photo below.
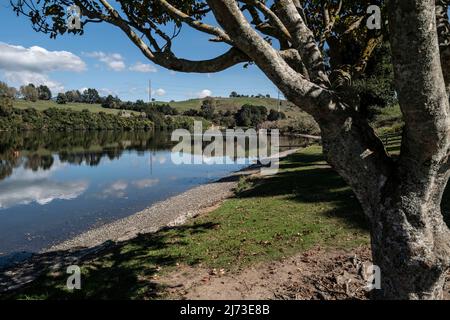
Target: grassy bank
x,y
232,104
49,115
42,105
305,205
388,120
225,104
55,119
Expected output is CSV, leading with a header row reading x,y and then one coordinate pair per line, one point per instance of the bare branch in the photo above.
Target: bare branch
x,y
167,59
420,85
278,24
311,97
330,18
200,26
304,41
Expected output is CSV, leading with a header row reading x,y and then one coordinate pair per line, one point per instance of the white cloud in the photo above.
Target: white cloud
x,y
160,92
145,183
204,93
31,65
114,61
25,187
119,186
41,191
116,189
26,77
142,67
106,92
162,159
38,60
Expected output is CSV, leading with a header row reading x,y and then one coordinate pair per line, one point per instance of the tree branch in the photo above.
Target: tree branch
x,y
307,95
329,22
304,41
278,24
167,59
198,25
420,87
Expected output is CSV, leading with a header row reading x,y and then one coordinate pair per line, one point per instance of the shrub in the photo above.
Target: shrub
x,y
55,119
251,116
61,98
29,92
275,115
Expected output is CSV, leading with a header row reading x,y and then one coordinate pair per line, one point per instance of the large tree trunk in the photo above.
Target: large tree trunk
x,y
410,242
401,200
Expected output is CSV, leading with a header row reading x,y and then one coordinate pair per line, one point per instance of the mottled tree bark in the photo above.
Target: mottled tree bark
x,y
410,240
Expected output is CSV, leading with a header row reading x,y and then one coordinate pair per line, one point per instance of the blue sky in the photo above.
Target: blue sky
x,y
105,59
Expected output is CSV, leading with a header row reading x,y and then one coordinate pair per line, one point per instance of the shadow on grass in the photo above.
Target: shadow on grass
x,y
123,270
308,179
130,269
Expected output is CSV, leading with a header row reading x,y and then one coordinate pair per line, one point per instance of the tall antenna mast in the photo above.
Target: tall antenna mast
x,y
279,101
149,91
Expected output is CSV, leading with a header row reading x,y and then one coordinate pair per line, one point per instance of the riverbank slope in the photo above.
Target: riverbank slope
x,y
267,219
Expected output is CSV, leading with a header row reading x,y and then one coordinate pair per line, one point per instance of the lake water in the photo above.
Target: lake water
x,y
55,186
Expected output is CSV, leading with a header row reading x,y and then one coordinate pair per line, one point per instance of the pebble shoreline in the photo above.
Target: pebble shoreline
x,y
173,211
170,212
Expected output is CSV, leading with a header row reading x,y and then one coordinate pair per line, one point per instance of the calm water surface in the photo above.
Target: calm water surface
x,y
55,186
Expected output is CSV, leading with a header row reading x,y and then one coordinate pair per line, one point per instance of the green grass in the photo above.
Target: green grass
x,y
388,124
233,104
305,205
42,105
225,104
388,120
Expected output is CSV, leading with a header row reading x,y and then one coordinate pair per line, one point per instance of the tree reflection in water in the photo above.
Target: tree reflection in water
x,y
37,150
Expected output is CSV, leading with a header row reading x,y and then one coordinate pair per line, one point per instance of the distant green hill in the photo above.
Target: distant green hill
x,y
225,104
234,104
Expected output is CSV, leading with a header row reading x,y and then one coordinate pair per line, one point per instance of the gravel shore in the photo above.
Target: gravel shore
x,y
170,212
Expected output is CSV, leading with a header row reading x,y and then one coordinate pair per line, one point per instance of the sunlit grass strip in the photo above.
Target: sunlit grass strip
x,y
306,205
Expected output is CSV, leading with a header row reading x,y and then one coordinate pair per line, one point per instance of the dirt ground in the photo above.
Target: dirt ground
x,y
317,274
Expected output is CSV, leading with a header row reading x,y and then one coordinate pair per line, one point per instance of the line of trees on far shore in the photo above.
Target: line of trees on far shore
x,y
28,92
31,92
247,116
234,94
